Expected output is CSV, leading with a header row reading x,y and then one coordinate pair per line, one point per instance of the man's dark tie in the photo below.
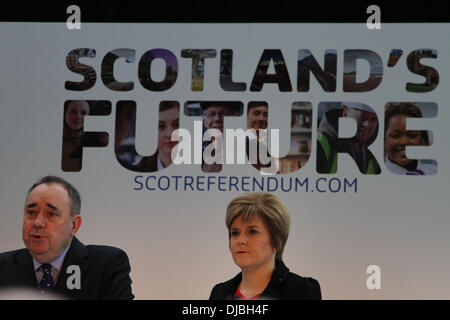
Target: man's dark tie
x,y
47,279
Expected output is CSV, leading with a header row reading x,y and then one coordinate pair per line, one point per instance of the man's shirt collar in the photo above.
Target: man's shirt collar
x,y
56,263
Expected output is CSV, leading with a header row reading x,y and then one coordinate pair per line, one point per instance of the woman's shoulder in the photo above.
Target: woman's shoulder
x,y
287,285
225,290
304,287
429,168
300,281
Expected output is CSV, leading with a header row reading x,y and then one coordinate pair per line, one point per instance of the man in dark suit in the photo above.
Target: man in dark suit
x,y
54,260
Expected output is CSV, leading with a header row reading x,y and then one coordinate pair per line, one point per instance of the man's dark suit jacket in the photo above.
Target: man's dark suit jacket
x,y
104,272
283,285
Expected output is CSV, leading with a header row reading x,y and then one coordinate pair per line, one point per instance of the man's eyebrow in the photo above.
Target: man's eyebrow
x,y
31,205
52,206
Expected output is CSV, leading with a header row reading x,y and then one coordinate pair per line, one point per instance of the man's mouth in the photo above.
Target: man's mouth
x,y
36,236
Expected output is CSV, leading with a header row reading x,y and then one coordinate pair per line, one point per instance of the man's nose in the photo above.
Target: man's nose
x,y
39,222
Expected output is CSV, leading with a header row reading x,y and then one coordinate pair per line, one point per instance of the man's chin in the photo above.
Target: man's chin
x,y
39,254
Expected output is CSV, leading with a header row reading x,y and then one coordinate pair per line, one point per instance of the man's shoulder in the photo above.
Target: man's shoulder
x,y
10,256
97,252
105,253
103,249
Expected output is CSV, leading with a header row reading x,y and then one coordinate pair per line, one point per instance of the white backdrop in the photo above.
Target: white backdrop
x,y
177,240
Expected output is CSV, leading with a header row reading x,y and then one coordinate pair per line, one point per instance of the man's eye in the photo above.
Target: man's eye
x,y
52,214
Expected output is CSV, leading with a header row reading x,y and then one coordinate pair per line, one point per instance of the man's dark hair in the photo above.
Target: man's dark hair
x,y
74,196
255,104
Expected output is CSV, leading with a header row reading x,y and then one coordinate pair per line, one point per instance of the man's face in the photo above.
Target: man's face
x,y
257,118
213,116
366,123
48,226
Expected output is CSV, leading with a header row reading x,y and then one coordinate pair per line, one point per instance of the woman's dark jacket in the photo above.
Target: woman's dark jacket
x,y
283,285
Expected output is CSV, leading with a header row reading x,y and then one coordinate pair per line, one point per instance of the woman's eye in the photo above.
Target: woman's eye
x,y
233,233
161,127
253,231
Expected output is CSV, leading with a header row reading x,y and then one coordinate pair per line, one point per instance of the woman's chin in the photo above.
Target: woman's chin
x,y
402,162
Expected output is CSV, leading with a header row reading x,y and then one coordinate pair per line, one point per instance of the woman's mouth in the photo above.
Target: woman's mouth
x,y
401,152
171,144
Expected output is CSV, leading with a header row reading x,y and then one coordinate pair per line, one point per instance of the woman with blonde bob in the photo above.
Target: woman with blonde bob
x,y
258,228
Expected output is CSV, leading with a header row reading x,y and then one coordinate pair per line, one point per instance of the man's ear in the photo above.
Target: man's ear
x,y
76,223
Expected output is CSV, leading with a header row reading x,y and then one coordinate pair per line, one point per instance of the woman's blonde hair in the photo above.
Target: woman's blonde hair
x,y
270,209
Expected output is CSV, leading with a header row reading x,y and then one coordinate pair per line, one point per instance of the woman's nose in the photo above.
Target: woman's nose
x,y
404,140
242,239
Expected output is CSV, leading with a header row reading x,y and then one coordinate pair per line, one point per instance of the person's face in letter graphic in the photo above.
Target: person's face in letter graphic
x,y
75,113
169,121
366,122
48,226
213,116
397,138
250,243
257,117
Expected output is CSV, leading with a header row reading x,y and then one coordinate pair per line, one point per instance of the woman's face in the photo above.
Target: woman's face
x,y
250,243
75,114
169,120
397,137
